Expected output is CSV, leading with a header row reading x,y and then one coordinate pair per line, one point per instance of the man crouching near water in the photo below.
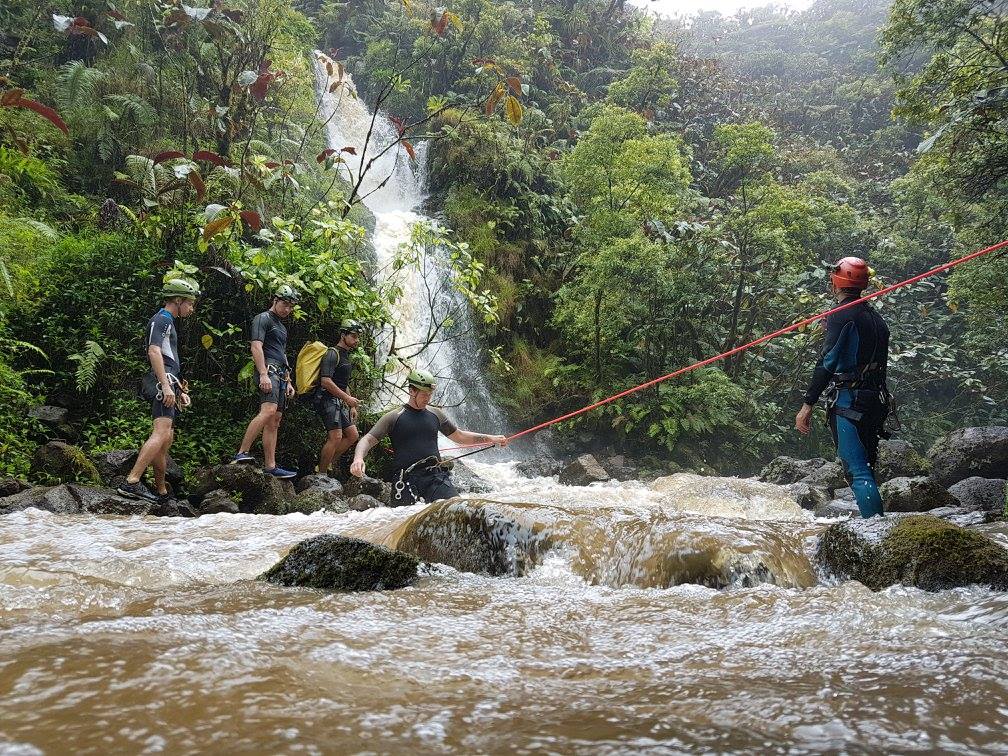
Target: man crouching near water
x,y
413,430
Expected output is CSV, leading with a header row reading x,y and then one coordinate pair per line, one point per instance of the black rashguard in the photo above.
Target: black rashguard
x,y
267,328
336,366
856,345
413,433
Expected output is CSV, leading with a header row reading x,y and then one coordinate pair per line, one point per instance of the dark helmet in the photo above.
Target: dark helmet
x,y
288,293
421,379
351,326
850,273
180,287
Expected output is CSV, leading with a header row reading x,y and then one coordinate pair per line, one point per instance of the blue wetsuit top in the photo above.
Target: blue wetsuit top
x,y
161,333
856,347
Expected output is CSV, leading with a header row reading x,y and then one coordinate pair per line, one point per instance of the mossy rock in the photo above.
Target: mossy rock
x,y
338,563
915,550
60,462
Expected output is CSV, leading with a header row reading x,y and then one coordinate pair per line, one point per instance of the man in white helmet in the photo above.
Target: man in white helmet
x,y
413,430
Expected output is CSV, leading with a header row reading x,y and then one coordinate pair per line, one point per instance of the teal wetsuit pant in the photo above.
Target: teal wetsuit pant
x,y
857,443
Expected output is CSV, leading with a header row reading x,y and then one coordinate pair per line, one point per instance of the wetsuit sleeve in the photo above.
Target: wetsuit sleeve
x,y
837,333
329,364
384,425
446,426
159,332
259,328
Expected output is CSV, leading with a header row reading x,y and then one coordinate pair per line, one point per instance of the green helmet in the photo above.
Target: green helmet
x,y
351,326
180,287
421,379
288,293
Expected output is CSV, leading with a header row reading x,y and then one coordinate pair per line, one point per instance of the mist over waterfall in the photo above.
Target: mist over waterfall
x,y
394,189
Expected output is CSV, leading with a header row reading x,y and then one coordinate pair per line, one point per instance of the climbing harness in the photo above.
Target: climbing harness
x,y
401,484
757,342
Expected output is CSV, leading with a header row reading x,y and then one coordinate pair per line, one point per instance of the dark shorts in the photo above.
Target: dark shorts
x,y
429,484
334,413
158,409
278,391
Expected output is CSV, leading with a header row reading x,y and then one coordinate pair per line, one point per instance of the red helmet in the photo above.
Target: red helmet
x,y
850,273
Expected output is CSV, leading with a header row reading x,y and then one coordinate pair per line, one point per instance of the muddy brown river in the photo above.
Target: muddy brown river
x,y
147,635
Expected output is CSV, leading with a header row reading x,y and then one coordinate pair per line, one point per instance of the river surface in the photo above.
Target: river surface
x,y
151,635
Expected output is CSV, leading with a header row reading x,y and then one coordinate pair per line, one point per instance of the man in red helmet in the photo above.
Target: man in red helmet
x,y
852,373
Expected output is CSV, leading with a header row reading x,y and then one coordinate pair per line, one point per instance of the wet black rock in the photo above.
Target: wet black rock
x,y
583,471
844,494
621,469
56,499
319,492
11,486
338,563
965,516
540,467
914,495
254,491
969,452
71,498
51,416
809,497
320,482
368,486
915,550
838,508
466,481
360,502
899,459
218,502
114,466
987,494
62,462
784,470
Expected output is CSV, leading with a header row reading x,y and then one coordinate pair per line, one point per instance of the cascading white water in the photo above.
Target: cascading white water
x,y
393,189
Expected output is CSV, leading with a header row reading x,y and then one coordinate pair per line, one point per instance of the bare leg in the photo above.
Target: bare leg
x,y
329,450
269,437
350,436
256,426
151,450
161,465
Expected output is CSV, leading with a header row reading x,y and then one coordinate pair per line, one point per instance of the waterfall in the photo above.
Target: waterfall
x,y
394,189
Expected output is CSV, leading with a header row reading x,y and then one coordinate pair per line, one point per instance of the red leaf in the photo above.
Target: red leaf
x,y
409,150
168,155
350,150
260,86
324,154
441,24
397,122
116,15
252,219
197,183
329,68
45,111
265,66
81,21
177,16
515,83
233,15
272,164
217,225
209,157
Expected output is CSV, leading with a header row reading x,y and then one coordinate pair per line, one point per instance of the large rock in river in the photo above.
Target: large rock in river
x,y
987,494
255,491
61,462
783,470
583,471
338,563
914,495
899,459
970,452
114,466
916,550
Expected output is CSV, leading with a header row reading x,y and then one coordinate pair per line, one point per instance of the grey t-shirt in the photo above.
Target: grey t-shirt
x,y
413,433
267,328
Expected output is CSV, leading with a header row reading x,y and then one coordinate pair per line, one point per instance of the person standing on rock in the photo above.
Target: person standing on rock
x,y
163,388
413,430
852,373
269,353
332,399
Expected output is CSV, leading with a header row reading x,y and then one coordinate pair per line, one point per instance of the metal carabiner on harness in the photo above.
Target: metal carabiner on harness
x,y
171,379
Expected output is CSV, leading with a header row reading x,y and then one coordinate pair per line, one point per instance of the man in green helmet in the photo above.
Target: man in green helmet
x,y
332,399
269,353
163,388
413,430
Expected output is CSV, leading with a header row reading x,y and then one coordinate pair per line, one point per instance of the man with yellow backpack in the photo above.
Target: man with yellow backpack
x,y
323,377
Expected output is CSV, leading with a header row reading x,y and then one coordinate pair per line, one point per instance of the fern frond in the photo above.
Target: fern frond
x,y
43,228
6,277
87,365
77,83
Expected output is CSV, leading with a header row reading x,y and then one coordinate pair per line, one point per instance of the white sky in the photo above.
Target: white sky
x,y
726,7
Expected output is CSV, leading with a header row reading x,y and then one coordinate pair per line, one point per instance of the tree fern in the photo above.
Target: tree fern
x,y
87,365
78,84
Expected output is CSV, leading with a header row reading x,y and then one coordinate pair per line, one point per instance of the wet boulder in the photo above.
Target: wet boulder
x,y
915,550
56,499
11,486
50,416
62,462
970,452
218,502
114,466
987,494
899,459
784,470
914,495
338,563
809,497
965,516
319,481
540,467
368,486
583,471
360,502
318,492
838,508
621,469
466,481
253,490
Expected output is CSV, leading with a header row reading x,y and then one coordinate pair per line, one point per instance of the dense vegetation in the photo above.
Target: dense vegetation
x,y
640,193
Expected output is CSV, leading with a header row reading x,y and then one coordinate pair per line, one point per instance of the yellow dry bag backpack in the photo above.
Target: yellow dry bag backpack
x,y
309,364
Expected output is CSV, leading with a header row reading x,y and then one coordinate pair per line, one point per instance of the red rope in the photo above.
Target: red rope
x,y
750,345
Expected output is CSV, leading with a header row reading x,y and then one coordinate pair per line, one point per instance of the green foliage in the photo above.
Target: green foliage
x,y
87,361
